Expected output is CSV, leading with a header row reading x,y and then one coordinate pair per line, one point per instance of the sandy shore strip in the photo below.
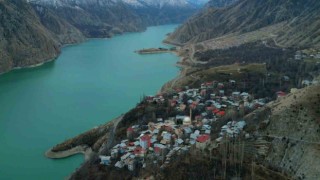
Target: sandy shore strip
x,y
83,149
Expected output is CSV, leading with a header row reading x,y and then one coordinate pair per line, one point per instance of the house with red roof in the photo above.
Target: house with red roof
x,y
139,151
281,94
215,111
202,141
145,141
221,113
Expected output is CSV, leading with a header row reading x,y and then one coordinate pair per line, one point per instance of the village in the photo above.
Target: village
x,y
307,54
160,142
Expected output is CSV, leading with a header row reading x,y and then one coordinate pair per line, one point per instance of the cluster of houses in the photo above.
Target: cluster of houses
x,y
213,99
300,55
161,141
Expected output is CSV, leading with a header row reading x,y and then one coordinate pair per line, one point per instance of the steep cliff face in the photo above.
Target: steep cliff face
x,y
292,131
23,39
251,15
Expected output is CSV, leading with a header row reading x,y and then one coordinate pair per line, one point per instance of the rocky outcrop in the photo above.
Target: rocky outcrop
x,y
292,130
251,15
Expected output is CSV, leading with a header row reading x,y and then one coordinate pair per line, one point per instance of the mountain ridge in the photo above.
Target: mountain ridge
x,y
24,41
251,15
33,31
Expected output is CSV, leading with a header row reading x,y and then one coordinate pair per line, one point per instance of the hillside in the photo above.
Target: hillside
x,y
33,31
24,41
107,17
155,12
280,139
60,29
93,18
154,15
291,128
251,15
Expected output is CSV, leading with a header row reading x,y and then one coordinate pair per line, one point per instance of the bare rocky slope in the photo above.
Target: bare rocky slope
x,y
95,18
33,31
291,127
300,25
25,40
107,17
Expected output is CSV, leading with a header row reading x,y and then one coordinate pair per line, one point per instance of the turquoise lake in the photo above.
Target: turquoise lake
x,y
88,85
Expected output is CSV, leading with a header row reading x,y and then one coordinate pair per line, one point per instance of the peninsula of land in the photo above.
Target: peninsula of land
x,y
156,50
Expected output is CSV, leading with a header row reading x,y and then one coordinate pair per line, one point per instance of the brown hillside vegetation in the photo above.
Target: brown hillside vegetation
x,y
300,22
293,131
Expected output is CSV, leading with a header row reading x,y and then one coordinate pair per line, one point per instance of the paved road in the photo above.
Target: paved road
x,y
112,133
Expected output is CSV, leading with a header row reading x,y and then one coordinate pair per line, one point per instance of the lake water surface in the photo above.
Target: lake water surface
x,y
87,85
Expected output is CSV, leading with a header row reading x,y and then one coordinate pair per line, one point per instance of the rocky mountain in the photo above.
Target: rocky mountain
x,y
291,129
166,3
95,18
32,31
60,29
157,4
106,17
165,13
296,20
25,41
198,2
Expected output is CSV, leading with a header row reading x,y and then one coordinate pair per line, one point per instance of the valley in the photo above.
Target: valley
x,y
88,85
245,105
251,59
34,31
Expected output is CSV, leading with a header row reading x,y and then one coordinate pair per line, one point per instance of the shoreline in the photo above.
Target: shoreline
x,y
30,66
82,149
85,40
154,52
46,60
35,65
180,64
